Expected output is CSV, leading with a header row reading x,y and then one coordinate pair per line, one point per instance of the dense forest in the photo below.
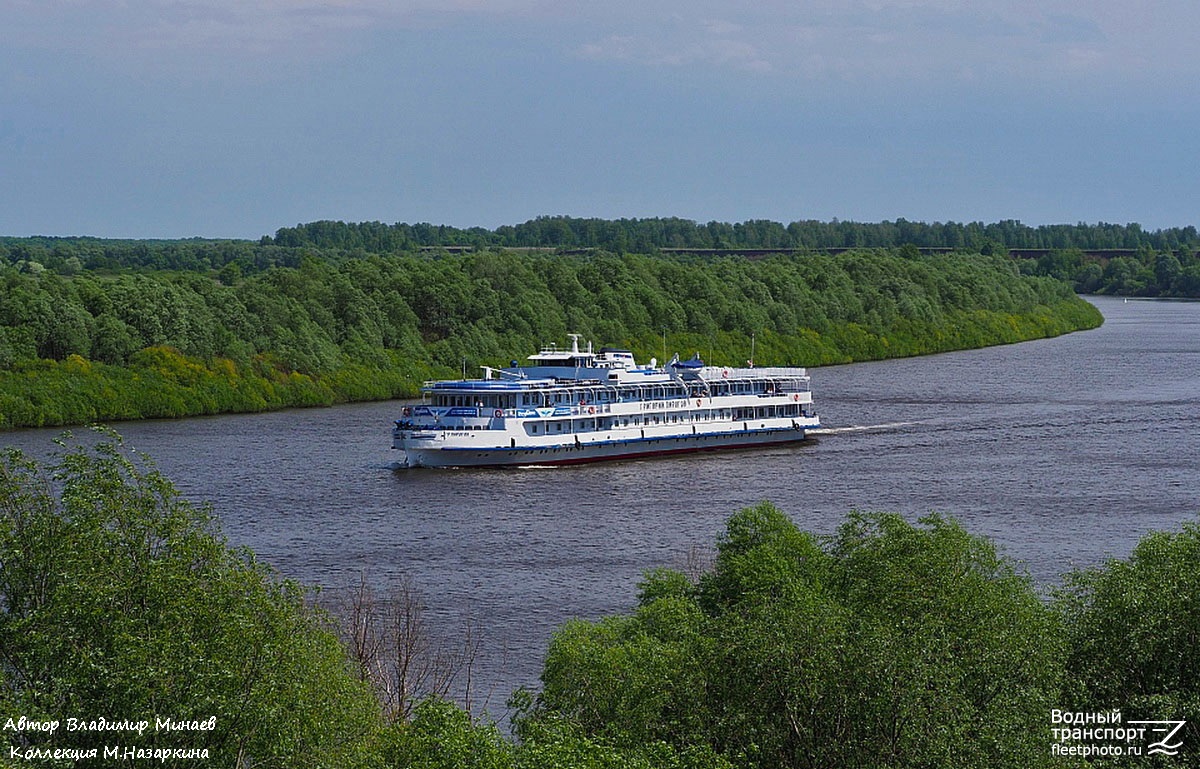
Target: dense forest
x,y
86,342
1096,258
887,644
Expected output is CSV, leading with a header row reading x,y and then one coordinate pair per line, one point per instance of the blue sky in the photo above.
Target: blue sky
x,y
232,118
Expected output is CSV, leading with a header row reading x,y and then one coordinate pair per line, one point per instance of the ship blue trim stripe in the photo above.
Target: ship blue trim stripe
x,y
629,441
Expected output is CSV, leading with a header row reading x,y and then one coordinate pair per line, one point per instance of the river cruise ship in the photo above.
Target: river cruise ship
x,y
568,406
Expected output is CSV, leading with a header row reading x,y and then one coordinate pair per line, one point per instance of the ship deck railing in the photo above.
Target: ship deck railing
x,y
760,372
564,410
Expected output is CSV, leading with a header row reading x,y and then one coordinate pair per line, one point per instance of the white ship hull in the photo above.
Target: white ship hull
x,y
444,449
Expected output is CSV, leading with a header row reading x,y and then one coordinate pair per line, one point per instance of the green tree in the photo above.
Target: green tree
x,y
1132,627
115,341
1127,276
887,645
1166,270
443,736
119,599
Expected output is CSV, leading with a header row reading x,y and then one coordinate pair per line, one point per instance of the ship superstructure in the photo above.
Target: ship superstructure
x,y
571,405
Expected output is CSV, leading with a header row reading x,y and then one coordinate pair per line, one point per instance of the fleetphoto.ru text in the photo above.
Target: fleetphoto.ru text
x,y
1107,734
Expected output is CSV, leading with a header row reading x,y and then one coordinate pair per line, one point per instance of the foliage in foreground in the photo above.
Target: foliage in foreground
x,y
118,600
1133,629
441,736
888,644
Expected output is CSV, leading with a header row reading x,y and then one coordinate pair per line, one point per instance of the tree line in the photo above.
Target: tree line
x,y
1095,258
336,239
888,644
651,234
101,345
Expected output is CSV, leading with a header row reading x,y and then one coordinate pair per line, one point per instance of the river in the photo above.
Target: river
x,y
1064,451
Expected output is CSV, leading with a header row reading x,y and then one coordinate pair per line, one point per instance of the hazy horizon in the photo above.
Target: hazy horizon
x,y
160,119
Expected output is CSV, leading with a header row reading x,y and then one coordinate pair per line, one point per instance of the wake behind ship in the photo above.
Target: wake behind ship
x,y
573,406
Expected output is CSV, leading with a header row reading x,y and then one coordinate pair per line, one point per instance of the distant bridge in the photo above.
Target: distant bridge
x,y
1099,254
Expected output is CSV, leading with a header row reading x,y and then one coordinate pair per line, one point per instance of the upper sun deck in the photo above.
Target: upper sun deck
x,y
487,385
575,368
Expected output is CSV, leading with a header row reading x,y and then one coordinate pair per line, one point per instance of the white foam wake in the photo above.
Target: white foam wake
x,y
859,428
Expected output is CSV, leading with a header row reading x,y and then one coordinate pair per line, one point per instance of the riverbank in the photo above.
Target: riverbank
x,y
162,382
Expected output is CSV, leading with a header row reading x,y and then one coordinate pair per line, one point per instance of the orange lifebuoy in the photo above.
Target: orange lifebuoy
x,y
499,412
591,409
795,397
725,372
697,401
